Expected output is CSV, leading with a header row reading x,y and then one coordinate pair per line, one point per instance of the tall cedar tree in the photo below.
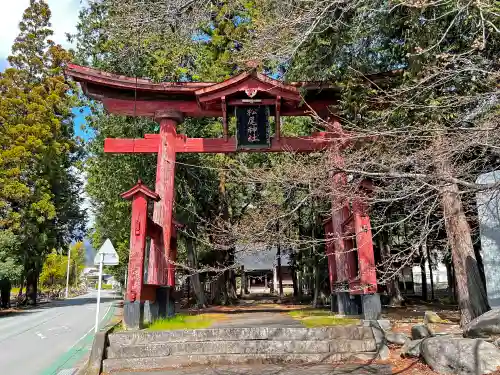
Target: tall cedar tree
x,y
39,190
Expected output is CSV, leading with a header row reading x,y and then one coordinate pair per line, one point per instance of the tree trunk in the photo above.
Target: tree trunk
x,y
21,287
431,273
219,290
300,274
316,285
195,277
314,258
232,294
230,278
243,283
472,297
278,259
451,280
424,275
31,287
395,297
479,258
293,270
310,275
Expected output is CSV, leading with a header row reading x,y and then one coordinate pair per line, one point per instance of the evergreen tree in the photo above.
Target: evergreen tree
x,y
40,192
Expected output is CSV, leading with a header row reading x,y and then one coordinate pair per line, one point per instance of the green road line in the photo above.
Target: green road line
x,y
76,353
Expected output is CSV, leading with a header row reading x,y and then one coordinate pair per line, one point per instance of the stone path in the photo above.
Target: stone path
x,y
275,370
258,319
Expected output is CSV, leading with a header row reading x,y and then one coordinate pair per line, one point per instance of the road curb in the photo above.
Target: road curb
x,y
94,364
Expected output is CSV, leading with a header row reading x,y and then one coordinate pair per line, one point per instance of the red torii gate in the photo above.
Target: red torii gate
x,y
169,102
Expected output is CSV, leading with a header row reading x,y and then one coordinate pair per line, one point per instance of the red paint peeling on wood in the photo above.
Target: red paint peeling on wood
x,y
163,210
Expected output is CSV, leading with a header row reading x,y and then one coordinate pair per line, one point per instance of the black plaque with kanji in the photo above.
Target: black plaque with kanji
x,y
252,127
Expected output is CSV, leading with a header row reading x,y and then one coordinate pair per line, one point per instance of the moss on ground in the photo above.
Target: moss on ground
x,y
321,318
182,321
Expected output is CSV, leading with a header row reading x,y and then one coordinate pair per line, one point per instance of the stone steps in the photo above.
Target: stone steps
x,y
291,369
142,350
240,347
114,365
237,334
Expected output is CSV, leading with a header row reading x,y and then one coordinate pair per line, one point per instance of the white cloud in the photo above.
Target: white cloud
x,y
64,20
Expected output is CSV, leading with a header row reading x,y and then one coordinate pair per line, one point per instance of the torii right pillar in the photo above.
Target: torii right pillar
x,y
352,264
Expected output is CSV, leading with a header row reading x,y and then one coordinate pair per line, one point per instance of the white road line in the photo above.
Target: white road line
x,y
58,328
40,335
30,328
91,329
69,371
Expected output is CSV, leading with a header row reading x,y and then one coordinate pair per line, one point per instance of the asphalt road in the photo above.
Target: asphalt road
x,y
53,338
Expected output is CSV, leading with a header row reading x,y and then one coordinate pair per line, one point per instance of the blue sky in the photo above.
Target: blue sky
x,y
79,122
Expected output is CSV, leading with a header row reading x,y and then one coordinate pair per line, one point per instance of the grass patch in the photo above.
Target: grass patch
x,y
182,321
321,318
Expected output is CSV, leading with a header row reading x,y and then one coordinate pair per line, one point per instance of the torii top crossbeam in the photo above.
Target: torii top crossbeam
x,y
141,97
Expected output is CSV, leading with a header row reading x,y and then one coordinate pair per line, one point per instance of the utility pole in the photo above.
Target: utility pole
x,y
67,273
96,328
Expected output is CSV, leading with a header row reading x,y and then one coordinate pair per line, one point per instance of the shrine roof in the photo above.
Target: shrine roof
x,y
96,76
140,188
86,74
142,97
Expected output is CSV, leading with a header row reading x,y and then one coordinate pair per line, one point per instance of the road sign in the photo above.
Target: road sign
x,y
110,256
105,256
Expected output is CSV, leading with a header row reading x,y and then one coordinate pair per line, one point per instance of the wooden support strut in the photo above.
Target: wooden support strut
x,y
364,241
330,253
139,195
137,245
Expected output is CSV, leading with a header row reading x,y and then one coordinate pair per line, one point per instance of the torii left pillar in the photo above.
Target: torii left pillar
x,y
133,309
161,268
